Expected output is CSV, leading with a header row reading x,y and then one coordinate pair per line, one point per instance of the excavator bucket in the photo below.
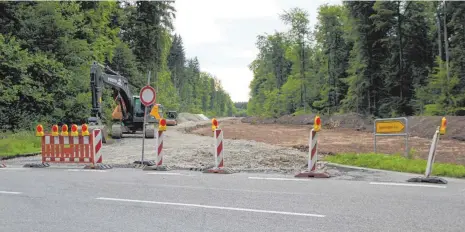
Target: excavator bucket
x,y
117,114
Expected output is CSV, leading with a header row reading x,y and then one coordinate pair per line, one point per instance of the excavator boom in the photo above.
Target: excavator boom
x,y
128,116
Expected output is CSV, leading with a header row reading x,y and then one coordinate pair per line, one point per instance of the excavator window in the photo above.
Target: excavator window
x,y
139,108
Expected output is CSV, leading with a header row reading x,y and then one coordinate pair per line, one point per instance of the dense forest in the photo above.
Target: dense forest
x,y
383,58
47,48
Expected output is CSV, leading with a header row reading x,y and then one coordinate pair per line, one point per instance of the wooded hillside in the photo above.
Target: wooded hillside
x,y
384,58
47,48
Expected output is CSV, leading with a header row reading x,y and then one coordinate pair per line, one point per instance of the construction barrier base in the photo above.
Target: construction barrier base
x,y
146,162
98,166
218,170
312,174
39,165
156,168
431,179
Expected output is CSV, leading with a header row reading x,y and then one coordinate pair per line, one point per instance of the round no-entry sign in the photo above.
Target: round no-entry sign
x,y
147,95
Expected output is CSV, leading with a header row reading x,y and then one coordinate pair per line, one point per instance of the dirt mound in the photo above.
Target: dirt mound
x,y
187,117
420,126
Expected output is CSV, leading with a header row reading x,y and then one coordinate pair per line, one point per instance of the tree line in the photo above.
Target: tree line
x,y
47,48
378,58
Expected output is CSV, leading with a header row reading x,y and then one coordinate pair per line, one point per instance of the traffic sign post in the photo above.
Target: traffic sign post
x,y
147,97
391,127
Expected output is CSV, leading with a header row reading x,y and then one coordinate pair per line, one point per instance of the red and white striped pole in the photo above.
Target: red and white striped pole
x,y
218,135
218,149
159,137
313,153
159,142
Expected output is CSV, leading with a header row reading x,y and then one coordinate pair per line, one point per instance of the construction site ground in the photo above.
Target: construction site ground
x,y
265,148
338,140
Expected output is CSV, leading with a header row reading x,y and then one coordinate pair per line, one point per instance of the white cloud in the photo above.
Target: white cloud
x,y
222,34
235,81
198,21
246,54
194,24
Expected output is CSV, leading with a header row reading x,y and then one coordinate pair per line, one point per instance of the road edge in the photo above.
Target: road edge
x,y
407,174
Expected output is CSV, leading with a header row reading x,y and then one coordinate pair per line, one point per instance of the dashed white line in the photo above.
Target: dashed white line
x,y
7,192
168,174
235,190
409,185
276,178
84,170
212,207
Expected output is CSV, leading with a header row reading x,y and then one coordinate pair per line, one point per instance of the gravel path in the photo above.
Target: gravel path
x,y
184,151
190,151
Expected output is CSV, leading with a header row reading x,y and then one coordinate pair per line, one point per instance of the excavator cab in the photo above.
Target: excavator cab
x,y
139,110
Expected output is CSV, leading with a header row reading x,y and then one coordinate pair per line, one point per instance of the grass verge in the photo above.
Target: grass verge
x,y
396,163
18,143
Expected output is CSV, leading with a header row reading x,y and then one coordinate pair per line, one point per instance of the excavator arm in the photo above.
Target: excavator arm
x,y
102,76
129,115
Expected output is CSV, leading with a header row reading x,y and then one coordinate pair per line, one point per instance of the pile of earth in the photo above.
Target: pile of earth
x,y
420,126
188,117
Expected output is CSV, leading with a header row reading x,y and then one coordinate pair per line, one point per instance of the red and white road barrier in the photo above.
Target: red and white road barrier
x,y
72,149
312,150
218,137
159,142
218,153
313,158
97,142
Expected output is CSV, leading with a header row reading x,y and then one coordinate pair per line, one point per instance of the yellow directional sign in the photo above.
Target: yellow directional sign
x,y
154,112
388,127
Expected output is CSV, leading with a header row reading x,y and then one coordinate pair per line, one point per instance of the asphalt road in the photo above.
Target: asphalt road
x,y
134,200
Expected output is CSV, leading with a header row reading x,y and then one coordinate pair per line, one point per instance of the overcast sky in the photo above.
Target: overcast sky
x,y
222,34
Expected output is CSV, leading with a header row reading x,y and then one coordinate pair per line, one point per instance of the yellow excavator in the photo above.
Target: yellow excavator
x,y
128,116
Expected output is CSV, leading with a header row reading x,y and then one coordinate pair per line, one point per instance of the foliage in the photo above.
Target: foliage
x,y
46,50
397,163
23,142
369,57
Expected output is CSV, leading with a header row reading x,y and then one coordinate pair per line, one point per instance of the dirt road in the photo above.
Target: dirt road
x,y
247,148
337,140
186,151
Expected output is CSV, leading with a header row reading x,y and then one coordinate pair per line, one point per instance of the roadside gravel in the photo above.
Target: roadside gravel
x,y
189,151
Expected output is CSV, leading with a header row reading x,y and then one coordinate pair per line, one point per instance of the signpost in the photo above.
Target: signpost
x,y
391,127
148,97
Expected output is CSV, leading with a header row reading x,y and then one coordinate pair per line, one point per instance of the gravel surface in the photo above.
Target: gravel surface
x,y
190,151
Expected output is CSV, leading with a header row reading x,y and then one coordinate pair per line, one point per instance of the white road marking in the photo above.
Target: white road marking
x,y
212,207
410,185
7,192
276,178
10,169
236,190
84,170
168,174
